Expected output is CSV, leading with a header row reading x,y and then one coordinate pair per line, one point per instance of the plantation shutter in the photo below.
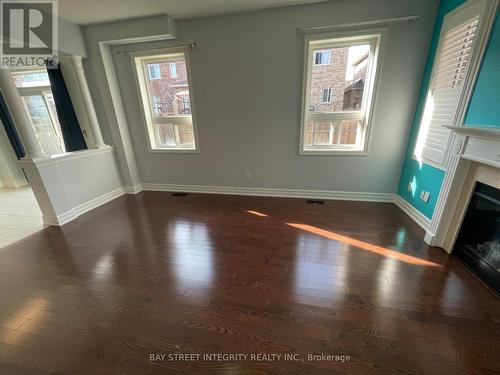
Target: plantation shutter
x,y
449,75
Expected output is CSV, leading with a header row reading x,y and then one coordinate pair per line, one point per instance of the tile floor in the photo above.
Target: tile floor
x,y
20,215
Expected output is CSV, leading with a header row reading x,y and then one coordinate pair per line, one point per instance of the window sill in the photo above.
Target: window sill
x,y
334,152
174,151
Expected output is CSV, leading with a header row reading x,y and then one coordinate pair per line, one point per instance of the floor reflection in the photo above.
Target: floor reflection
x,y
192,253
24,320
257,213
364,245
319,266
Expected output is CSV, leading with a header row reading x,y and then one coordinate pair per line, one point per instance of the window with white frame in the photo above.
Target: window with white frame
x,y
327,94
167,102
322,57
154,71
36,94
173,70
457,57
336,118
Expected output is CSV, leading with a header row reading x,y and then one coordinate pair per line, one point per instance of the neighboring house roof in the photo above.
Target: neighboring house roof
x,y
360,59
358,84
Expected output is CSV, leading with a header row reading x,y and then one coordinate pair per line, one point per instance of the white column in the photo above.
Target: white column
x,y
19,115
456,171
83,88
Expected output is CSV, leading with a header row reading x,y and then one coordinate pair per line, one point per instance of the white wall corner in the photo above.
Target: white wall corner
x,y
423,221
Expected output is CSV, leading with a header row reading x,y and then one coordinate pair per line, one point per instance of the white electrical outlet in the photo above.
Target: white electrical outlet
x,y
248,175
426,196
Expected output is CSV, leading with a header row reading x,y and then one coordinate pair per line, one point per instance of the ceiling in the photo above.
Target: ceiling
x,y
95,11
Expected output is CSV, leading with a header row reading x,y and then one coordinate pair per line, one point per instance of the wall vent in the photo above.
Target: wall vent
x,y
179,194
315,201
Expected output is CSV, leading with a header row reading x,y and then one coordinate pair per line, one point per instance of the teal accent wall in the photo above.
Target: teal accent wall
x,y
422,176
484,107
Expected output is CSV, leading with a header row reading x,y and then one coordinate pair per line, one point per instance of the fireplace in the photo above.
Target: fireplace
x,y
478,241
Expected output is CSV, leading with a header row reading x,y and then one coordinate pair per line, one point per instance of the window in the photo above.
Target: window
x,y
173,70
451,82
157,108
336,118
154,71
34,88
167,102
327,94
322,57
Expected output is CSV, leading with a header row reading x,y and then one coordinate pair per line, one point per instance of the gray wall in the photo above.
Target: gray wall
x,y
247,76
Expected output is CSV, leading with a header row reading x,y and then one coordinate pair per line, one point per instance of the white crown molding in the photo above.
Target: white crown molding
x,y
269,192
423,221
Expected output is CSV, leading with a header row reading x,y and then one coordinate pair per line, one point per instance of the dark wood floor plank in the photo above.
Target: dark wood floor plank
x,y
156,274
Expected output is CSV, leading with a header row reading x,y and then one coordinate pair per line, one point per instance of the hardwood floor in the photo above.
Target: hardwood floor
x,y
153,274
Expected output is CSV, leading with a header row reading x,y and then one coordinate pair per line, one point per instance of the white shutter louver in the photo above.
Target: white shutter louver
x,y
445,91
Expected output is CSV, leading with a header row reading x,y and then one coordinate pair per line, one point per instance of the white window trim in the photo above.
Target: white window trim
x,y
149,72
377,37
162,55
484,27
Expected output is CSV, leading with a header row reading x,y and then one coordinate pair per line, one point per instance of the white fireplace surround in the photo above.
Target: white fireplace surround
x,y
469,144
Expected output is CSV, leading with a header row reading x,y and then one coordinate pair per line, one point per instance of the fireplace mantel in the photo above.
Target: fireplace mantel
x,y
478,144
468,144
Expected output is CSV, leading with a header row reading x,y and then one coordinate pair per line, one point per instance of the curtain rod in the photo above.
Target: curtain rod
x,y
191,44
383,21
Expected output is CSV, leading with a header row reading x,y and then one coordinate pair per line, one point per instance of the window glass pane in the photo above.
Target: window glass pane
x,y
170,135
55,120
45,130
167,100
344,71
348,132
32,79
171,93
166,135
331,133
186,135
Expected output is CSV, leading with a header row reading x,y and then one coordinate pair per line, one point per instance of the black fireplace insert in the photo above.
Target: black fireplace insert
x,y
478,242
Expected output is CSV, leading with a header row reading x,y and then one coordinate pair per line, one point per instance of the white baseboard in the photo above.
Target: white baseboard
x,y
268,192
71,215
60,219
412,212
99,201
133,189
423,221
